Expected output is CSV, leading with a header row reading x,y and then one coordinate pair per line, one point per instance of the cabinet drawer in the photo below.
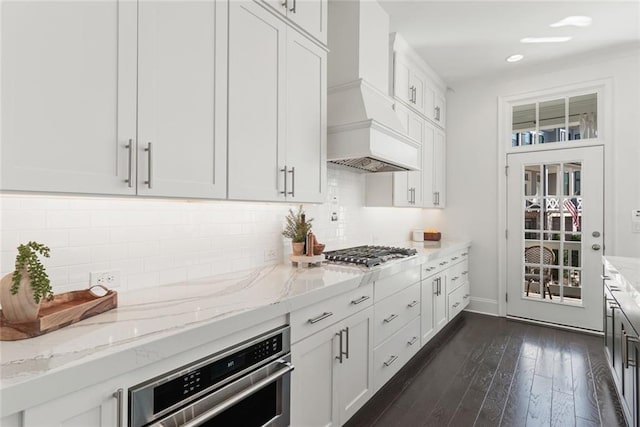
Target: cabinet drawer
x,y
392,284
458,300
394,312
391,355
312,319
457,275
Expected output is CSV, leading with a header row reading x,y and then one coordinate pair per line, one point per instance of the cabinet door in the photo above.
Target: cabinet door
x,y
417,82
310,15
440,304
355,375
181,99
428,165
68,96
429,291
256,88
401,193
439,168
94,406
629,368
313,392
306,137
430,100
401,86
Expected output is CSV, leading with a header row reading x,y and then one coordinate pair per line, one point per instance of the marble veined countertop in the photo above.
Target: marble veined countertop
x,y
624,282
229,302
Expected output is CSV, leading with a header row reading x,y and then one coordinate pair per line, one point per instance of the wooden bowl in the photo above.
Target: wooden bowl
x,y
318,248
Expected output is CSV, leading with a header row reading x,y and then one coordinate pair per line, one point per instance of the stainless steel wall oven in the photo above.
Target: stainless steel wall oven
x,y
247,385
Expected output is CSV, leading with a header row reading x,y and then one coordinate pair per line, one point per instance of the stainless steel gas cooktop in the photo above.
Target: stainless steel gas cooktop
x,y
368,255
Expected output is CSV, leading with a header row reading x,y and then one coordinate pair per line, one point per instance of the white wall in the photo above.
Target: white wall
x,y
159,241
472,157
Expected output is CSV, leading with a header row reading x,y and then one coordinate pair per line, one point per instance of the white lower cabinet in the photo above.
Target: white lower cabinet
x,y
333,374
392,354
434,305
94,406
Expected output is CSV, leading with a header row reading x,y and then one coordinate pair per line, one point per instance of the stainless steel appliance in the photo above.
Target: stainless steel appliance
x,y
368,255
248,385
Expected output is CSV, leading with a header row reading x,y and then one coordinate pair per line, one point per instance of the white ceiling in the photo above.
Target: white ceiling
x,y
464,39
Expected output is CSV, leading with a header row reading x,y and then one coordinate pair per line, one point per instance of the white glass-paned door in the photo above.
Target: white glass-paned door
x,y
555,221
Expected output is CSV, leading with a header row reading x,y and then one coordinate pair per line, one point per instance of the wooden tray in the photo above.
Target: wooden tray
x,y
65,309
303,260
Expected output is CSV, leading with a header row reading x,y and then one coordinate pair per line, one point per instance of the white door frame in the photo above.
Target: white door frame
x,y
604,89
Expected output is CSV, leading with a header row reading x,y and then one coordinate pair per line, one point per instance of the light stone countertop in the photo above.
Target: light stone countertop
x,y
624,281
159,315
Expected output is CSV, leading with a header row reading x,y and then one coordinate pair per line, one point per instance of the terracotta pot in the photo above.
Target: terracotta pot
x,y
20,307
298,248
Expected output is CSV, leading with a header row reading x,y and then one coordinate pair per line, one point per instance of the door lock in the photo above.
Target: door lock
x,y
595,247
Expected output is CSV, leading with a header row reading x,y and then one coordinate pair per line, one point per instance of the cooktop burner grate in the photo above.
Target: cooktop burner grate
x,y
369,255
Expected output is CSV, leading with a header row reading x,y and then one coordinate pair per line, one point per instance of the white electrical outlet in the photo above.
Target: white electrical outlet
x,y
270,254
107,278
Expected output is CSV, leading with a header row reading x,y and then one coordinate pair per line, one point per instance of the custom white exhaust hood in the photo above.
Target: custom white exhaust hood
x,y
363,129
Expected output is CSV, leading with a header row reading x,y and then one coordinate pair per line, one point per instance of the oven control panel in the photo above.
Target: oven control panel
x,y
214,373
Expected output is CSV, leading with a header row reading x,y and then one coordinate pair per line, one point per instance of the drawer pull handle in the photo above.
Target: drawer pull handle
x,y
391,360
454,278
465,296
454,258
444,262
465,272
321,317
412,304
604,277
413,341
464,253
456,304
390,318
361,299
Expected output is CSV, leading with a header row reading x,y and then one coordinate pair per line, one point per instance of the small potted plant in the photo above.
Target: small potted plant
x,y
296,228
22,291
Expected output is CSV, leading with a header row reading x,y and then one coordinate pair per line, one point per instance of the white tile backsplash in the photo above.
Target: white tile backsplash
x,y
160,241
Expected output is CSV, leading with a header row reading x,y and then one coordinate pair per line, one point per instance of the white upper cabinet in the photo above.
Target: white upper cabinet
x,y
310,15
433,172
409,83
68,96
181,99
277,109
70,119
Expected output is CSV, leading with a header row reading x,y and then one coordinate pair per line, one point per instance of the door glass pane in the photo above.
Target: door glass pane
x,y
583,116
523,124
552,121
552,266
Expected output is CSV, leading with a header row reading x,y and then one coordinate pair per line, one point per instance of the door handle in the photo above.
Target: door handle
x,y
347,333
149,170
129,179
118,395
595,247
284,171
293,182
340,352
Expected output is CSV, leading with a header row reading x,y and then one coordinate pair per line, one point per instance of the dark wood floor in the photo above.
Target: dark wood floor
x,y
487,371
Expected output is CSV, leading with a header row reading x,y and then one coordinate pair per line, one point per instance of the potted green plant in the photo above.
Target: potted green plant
x,y
22,291
296,228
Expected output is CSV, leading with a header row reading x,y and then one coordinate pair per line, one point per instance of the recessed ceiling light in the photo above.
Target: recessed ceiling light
x,y
573,21
515,58
545,39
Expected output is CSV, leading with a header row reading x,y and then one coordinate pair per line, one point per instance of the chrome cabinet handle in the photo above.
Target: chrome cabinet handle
x,y
347,333
411,94
339,356
391,360
284,171
412,304
240,396
465,296
437,113
413,341
118,395
604,277
150,169
444,262
284,4
454,278
464,253
129,179
465,272
360,300
439,285
293,182
456,304
435,282
390,318
454,258
320,317
294,6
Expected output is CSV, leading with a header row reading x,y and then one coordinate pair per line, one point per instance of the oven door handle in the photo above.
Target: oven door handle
x,y
221,407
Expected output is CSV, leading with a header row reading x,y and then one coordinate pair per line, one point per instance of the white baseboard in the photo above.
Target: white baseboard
x,y
483,306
